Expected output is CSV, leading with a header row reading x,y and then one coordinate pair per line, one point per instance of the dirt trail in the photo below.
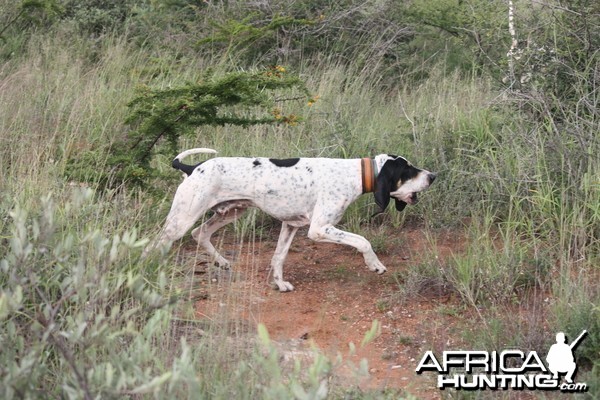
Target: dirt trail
x,y
335,300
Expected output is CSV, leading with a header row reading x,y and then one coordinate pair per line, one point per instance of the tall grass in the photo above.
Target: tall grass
x,y
83,316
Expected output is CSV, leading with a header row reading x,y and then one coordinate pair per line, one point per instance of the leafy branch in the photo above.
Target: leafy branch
x,y
159,117
27,10
249,31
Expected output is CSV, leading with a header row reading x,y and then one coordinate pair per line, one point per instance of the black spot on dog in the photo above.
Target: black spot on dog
x,y
309,169
288,162
256,163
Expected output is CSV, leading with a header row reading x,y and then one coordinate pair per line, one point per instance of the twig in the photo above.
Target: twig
x,y
280,99
157,138
12,21
60,345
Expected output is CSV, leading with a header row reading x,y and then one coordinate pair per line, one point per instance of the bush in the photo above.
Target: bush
x,y
97,17
82,317
78,319
161,116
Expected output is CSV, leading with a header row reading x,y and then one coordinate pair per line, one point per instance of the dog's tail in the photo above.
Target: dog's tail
x,y
188,169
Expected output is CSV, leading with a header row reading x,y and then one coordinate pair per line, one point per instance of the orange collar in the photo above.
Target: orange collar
x,y
368,174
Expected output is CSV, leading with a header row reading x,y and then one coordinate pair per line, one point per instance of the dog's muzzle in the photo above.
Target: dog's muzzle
x,y
431,177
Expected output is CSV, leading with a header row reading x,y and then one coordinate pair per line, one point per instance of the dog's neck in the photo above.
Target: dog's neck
x,y
369,170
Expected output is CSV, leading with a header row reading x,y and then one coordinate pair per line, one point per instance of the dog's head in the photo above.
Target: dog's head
x,y
401,180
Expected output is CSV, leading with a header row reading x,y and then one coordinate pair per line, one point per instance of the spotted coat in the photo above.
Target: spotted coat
x,y
311,192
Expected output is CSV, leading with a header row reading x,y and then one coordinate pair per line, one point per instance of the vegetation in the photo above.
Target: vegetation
x,y
97,96
165,115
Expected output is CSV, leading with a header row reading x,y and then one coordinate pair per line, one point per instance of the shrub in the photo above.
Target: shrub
x,y
78,319
161,116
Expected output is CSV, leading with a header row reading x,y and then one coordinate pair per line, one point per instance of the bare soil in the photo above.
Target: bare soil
x,y
335,300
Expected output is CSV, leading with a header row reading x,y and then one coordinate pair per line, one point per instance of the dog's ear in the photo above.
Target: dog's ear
x,y
400,205
386,183
382,193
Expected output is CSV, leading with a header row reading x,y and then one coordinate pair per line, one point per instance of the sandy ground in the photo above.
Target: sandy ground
x,y
335,301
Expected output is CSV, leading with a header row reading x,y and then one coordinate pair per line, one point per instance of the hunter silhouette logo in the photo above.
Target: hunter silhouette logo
x,y
560,356
508,369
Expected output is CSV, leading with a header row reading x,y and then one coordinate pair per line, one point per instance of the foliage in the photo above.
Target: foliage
x,y
366,35
516,157
69,300
17,18
233,36
557,62
578,309
472,28
96,17
27,12
162,116
82,318
556,66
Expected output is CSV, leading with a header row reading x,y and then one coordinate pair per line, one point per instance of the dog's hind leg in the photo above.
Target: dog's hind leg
x,y
184,213
283,245
175,227
204,232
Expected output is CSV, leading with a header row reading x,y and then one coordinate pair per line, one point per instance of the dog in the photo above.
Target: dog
x,y
313,192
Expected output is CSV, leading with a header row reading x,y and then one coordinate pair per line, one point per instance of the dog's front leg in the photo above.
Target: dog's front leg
x,y
283,245
329,233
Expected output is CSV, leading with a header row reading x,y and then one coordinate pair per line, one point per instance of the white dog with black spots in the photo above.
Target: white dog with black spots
x,y
312,192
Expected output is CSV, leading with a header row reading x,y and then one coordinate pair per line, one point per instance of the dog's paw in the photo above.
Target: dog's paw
x,y
283,286
377,267
373,263
222,263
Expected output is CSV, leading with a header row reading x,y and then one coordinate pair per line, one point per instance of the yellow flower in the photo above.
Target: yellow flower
x,y
291,120
313,100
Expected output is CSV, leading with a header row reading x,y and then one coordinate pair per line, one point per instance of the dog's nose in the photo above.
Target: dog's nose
x,y
431,177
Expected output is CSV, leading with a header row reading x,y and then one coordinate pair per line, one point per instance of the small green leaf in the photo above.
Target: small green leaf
x,y
372,333
263,335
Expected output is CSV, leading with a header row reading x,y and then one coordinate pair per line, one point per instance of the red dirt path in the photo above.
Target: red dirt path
x,y
335,300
